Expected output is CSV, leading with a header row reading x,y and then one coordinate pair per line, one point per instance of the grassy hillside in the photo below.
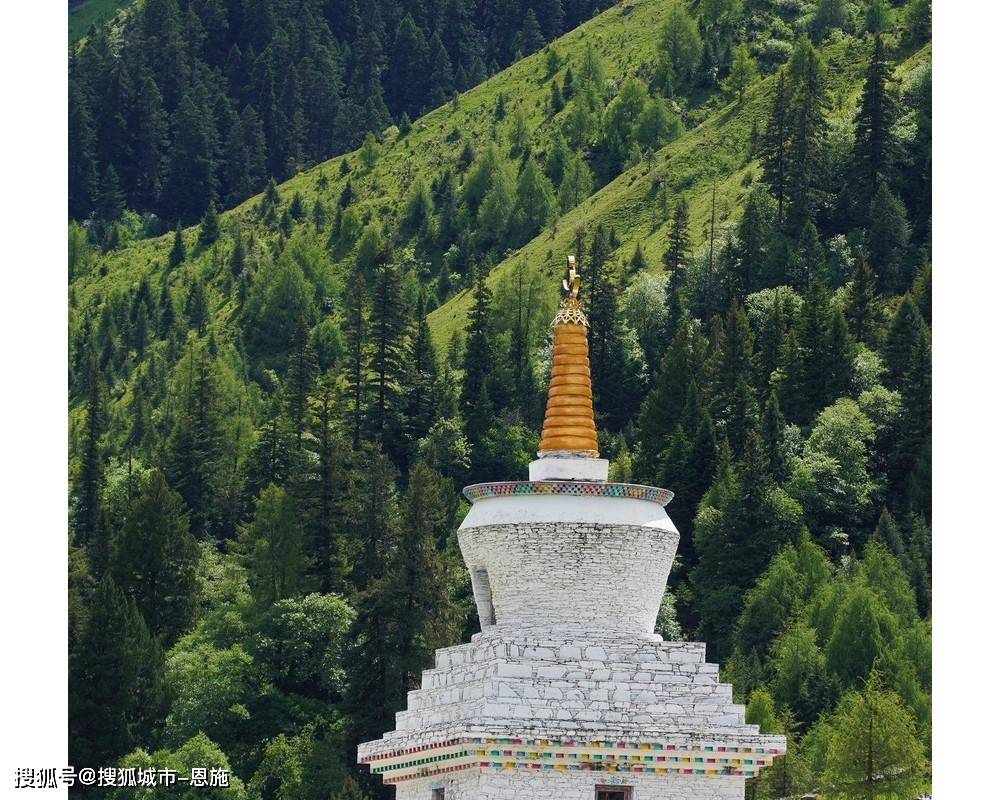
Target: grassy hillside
x,y
712,153
626,39
90,12
715,153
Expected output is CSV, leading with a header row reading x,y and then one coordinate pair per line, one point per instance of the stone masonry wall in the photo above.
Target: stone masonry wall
x,y
507,785
598,577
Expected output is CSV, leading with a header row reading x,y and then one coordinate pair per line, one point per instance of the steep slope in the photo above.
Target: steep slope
x,y
713,155
625,37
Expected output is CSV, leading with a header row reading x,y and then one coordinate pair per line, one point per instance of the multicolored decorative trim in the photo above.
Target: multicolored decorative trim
x,y
653,758
478,491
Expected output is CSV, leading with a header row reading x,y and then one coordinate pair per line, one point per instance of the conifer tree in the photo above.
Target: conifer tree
x,y
110,198
682,366
861,308
82,169
386,366
154,558
807,135
422,379
478,359
178,251
905,329
577,183
774,151
208,233
238,259
196,306
742,72
89,476
530,39
874,750
535,201
805,391
678,242
273,548
356,334
888,237
302,369
194,446
875,145
417,579
114,671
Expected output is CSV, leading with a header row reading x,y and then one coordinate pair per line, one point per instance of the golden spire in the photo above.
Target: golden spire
x,y
569,415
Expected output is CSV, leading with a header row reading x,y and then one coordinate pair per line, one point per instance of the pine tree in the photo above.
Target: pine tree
x,y
530,39
577,183
356,334
154,558
874,750
82,168
194,447
110,198
114,671
302,369
861,308
273,549
875,145
209,232
178,251
905,329
742,72
681,367
806,389
386,366
196,306
89,476
422,379
774,151
478,359
417,579
807,136
811,261
675,259
535,201
888,237
238,259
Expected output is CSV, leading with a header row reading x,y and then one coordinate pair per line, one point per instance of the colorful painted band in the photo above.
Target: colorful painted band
x,y
478,491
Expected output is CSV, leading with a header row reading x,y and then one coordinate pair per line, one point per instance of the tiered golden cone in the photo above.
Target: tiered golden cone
x,y
569,414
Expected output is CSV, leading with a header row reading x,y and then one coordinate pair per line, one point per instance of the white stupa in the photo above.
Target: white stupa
x,y
567,693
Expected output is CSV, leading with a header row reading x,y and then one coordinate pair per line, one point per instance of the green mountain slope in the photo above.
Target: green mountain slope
x,y
626,39
714,154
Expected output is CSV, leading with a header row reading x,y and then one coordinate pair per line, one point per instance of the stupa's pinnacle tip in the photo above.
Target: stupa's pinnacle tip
x,y
569,426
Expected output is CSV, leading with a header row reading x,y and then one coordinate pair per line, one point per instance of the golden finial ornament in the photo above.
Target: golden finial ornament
x,y
569,426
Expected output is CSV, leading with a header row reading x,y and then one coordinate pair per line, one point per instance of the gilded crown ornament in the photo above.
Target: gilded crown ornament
x,y
569,426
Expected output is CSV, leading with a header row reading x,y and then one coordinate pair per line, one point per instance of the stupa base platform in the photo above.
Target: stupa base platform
x,y
582,710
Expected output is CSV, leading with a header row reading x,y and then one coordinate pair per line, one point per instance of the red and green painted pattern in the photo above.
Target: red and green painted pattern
x,y
650,758
478,491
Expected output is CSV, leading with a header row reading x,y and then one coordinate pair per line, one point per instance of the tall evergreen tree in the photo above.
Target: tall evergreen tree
x,y
89,475
356,333
861,308
154,558
888,237
386,366
774,151
478,359
115,671
302,369
807,136
875,146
